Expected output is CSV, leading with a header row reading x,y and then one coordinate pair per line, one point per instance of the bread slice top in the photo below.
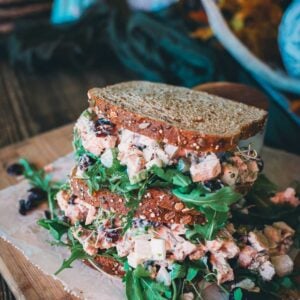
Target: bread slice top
x,y
205,121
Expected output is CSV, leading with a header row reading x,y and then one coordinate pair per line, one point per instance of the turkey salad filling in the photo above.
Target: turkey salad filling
x,y
139,153
157,246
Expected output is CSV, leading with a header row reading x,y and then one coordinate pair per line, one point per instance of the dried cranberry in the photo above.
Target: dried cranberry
x,y
37,194
213,185
112,235
103,127
85,161
64,219
72,199
260,164
29,204
47,214
22,207
15,169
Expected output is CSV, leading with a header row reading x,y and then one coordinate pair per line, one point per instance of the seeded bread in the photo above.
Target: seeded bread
x,y
108,265
176,115
157,205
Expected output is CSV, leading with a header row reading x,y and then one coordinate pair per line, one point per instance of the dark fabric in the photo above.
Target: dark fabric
x,y
157,47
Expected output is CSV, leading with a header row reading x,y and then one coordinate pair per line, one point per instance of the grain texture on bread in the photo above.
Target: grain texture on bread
x,y
108,265
179,116
157,205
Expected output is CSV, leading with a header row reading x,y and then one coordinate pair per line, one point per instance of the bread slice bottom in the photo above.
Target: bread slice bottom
x,y
107,265
157,205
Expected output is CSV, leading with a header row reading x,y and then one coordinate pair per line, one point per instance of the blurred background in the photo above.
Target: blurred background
x,y
53,51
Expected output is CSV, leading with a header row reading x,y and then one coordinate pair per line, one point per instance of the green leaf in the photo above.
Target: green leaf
x,y
116,165
215,221
172,176
219,201
178,271
181,180
37,178
77,252
238,294
139,285
192,273
129,286
154,290
140,272
287,282
56,227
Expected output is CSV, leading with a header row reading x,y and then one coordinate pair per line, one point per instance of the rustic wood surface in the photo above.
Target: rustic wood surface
x,y
32,103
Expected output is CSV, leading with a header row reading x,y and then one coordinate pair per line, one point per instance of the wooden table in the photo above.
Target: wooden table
x,y
32,103
25,280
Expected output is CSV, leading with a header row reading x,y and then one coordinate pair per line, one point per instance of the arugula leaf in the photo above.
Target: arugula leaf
x,y
77,252
140,272
238,294
139,285
219,201
192,273
215,221
154,290
37,178
116,165
172,176
129,286
56,227
178,271
95,176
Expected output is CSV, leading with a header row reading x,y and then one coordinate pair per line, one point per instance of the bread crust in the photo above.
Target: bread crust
x,y
165,132
108,265
157,205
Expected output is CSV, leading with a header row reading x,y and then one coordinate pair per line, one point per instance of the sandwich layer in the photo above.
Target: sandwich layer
x,y
157,246
157,205
179,116
139,153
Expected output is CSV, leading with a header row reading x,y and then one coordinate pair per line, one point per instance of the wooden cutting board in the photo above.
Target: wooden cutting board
x,y
25,280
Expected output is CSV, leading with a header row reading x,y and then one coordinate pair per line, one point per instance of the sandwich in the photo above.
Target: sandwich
x,y
158,172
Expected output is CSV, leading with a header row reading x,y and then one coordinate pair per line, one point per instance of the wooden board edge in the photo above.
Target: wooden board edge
x,y
9,279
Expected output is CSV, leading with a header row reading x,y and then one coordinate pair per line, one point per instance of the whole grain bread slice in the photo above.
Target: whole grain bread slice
x,y
180,116
157,205
107,264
